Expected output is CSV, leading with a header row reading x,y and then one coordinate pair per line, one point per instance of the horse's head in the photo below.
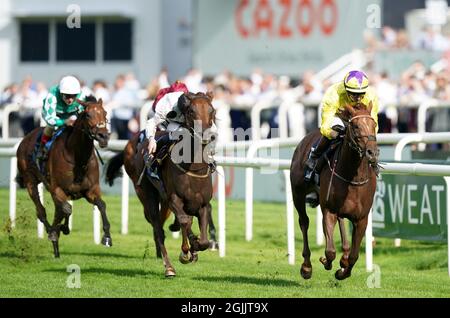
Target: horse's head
x,y
93,120
361,131
199,114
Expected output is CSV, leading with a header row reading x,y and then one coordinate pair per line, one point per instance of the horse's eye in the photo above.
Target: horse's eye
x,y
211,110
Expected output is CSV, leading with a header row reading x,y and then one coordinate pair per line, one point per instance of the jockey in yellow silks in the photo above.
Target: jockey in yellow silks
x,y
353,89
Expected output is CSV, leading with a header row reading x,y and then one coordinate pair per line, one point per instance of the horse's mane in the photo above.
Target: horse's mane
x,y
358,107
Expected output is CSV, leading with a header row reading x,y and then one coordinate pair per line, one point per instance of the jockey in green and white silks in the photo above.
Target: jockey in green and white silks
x,y
60,108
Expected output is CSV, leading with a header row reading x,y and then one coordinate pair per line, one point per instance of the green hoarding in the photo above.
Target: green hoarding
x,y
411,207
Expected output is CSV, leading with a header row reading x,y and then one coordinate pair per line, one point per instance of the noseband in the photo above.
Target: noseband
x,y
353,139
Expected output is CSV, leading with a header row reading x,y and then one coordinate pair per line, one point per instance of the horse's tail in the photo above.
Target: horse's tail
x,y
19,180
113,168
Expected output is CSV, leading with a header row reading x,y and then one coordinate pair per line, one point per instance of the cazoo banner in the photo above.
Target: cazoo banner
x,y
279,36
411,207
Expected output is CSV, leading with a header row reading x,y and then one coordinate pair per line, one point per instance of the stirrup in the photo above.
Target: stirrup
x,y
212,167
309,174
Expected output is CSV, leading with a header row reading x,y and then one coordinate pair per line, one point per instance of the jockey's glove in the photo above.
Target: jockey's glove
x,y
151,145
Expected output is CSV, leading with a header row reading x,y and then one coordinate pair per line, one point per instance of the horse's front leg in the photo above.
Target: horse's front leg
x,y
345,245
329,222
62,209
203,243
93,196
40,209
213,245
359,228
177,206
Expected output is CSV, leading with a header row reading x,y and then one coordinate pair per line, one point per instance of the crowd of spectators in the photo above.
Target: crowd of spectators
x,y
236,95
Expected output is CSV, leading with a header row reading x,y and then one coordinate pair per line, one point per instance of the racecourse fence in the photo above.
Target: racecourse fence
x,y
269,164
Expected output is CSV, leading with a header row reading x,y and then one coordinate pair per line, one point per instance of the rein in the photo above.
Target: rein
x,y
91,136
190,173
354,146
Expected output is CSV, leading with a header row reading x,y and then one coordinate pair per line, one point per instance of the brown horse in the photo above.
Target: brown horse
x,y
71,171
188,184
347,187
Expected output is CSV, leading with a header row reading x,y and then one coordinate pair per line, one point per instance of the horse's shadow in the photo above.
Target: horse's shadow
x,y
249,280
122,272
114,255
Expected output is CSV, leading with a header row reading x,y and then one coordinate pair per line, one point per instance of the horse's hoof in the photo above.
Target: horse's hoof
x,y
306,272
185,258
107,241
341,274
170,272
327,265
213,245
65,230
194,258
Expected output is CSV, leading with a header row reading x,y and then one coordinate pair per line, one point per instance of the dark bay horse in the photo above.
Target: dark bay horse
x,y
71,171
188,184
347,188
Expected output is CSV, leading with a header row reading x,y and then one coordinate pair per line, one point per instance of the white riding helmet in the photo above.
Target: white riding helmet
x,y
69,85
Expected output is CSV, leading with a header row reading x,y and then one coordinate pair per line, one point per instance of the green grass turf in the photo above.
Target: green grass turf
x,y
250,269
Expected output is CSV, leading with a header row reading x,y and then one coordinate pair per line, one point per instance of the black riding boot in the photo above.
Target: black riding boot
x,y
315,154
155,160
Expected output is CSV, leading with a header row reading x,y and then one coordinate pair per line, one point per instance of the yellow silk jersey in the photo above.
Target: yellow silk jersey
x,y
336,98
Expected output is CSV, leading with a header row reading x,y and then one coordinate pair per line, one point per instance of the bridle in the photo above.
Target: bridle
x,y
92,131
192,132
353,142
196,135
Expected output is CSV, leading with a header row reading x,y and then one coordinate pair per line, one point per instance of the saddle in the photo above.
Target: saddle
x,y
312,198
48,146
153,162
326,157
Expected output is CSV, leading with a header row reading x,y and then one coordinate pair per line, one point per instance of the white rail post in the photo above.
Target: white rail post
x,y
71,215
96,217
369,240
249,194
125,190
290,219
12,191
221,196
319,227
40,225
